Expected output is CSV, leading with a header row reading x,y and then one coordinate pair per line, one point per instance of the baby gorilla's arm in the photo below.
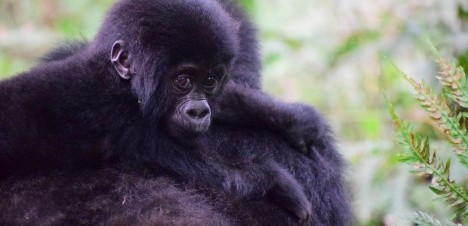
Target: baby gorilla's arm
x,y
249,177
289,194
301,125
268,177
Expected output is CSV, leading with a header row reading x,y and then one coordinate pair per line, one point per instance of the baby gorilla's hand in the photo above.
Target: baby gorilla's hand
x,y
304,214
289,194
305,128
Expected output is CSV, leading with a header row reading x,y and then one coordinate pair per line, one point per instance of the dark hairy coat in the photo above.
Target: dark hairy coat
x,y
116,164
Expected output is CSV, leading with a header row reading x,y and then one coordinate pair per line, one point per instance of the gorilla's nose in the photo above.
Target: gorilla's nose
x,y
198,110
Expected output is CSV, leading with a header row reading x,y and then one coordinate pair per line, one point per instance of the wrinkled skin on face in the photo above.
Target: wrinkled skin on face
x,y
193,88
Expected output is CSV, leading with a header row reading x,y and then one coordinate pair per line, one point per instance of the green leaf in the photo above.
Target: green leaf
x,y
463,159
447,167
435,190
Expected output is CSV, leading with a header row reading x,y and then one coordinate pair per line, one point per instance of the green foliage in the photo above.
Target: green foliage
x,y
351,43
248,5
371,124
416,149
424,219
462,13
454,79
437,108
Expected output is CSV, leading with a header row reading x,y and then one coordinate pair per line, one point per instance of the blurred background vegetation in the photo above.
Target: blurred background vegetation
x,y
330,54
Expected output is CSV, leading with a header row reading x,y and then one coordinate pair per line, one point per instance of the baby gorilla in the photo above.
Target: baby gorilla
x,y
142,91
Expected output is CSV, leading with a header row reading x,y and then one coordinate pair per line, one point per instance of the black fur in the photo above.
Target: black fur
x,y
66,112
64,50
77,111
96,196
103,197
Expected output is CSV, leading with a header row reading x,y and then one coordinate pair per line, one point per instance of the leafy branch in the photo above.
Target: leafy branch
x,y
417,152
423,219
453,78
440,114
444,117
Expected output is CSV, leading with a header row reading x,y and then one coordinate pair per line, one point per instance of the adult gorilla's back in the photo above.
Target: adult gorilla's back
x,y
102,197
116,196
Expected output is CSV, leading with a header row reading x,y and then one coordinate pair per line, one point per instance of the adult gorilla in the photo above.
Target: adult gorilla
x,y
166,86
136,196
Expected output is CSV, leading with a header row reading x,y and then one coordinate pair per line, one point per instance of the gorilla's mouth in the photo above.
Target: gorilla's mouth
x,y
186,128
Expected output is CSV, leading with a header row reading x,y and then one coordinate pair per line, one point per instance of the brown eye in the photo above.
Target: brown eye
x,y
183,82
210,83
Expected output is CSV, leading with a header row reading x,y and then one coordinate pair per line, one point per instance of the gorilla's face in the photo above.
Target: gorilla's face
x,y
179,88
193,88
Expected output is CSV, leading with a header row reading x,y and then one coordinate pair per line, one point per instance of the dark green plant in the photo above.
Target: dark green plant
x,y
447,112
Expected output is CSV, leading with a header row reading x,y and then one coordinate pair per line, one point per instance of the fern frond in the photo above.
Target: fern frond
x,y
418,153
423,219
463,159
453,78
440,114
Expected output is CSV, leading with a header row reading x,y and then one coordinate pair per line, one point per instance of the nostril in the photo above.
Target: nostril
x,y
192,113
204,112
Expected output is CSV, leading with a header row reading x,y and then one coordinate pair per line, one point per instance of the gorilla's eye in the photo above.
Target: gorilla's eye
x,y
183,81
210,83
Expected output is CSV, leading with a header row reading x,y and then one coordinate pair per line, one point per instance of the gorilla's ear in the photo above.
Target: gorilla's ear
x,y
119,58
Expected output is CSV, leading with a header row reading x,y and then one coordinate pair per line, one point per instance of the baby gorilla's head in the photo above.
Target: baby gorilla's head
x,y
176,54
